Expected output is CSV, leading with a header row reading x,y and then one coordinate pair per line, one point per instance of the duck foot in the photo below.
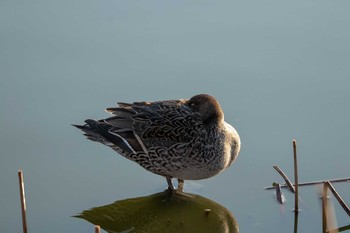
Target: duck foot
x,y
180,184
170,184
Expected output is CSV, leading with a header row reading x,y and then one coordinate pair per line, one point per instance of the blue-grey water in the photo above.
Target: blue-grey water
x,y
279,69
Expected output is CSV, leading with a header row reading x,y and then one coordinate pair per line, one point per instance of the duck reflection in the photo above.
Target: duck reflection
x,y
163,212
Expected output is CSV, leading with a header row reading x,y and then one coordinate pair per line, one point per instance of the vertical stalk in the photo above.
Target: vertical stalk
x,y
296,222
296,186
23,200
324,208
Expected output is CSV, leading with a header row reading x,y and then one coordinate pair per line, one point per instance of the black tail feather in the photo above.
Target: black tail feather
x,y
101,132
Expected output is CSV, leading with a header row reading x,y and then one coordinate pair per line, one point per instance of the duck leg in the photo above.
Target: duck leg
x,y
170,183
180,185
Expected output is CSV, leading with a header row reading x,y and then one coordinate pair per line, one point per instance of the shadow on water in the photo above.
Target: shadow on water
x,y
163,212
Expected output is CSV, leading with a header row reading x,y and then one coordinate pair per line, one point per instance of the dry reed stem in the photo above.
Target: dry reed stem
x,y
296,214
328,214
324,208
338,197
314,182
344,228
279,194
285,177
23,200
296,194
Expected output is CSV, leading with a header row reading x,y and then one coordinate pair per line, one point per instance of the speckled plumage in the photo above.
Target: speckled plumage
x,y
183,139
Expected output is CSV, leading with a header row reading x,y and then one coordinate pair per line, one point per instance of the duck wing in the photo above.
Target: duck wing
x,y
154,124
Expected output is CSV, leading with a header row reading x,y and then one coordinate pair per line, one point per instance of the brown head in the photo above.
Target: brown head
x,y
208,107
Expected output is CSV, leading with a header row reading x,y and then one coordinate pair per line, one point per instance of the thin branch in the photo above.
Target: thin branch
x,y
23,200
314,182
338,197
296,195
324,208
285,177
279,194
344,228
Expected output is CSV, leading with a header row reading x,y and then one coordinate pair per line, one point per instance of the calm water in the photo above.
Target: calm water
x,y
279,69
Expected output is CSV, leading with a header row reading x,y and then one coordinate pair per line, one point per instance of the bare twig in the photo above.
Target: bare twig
x,y
296,222
285,177
344,228
23,200
324,208
314,182
338,197
279,194
328,215
296,207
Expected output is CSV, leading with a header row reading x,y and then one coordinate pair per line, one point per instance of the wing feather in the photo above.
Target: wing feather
x,y
165,123
141,125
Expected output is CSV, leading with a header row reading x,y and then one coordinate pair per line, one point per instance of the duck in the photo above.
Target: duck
x,y
183,139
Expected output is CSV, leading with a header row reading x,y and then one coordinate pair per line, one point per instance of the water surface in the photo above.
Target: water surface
x,y
279,69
